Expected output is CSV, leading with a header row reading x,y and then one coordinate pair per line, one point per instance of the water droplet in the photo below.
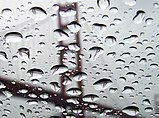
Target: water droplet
x,y
80,76
138,18
102,84
131,110
98,28
73,100
35,73
131,75
103,4
68,12
24,53
44,95
113,9
148,109
58,69
130,2
3,56
90,98
74,47
23,91
74,27
74,91
61,35
67,81
110,40
32,102
38,13
149,21
128,89
131,39
55,86
13,37
7,93
95,52
6,13
146,102
2,85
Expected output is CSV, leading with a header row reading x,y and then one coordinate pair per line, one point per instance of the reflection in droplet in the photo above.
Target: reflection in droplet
x,y
58,69
103,4
61,35
102,84
35,73
74,47
38,13
13,37
74,27
131,110
90,98
95,52
7,93
73,91
55,86
80,76
138,18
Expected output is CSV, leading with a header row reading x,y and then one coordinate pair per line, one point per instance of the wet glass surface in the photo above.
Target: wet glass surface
x,y
79,59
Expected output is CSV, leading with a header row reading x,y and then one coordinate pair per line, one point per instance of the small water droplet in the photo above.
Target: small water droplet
x,y
61,35
130,2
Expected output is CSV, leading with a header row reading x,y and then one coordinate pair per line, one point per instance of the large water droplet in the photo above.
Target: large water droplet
x,y
131,39
128,89
3,56
6,13
74,27
38,13
90,98
35,73
103,4
58,69
138,18
13,37
61,35
110,40
74,47
98,28
131,110
95,52
24,53
55,86
73,91
80,76
102,84
7,93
